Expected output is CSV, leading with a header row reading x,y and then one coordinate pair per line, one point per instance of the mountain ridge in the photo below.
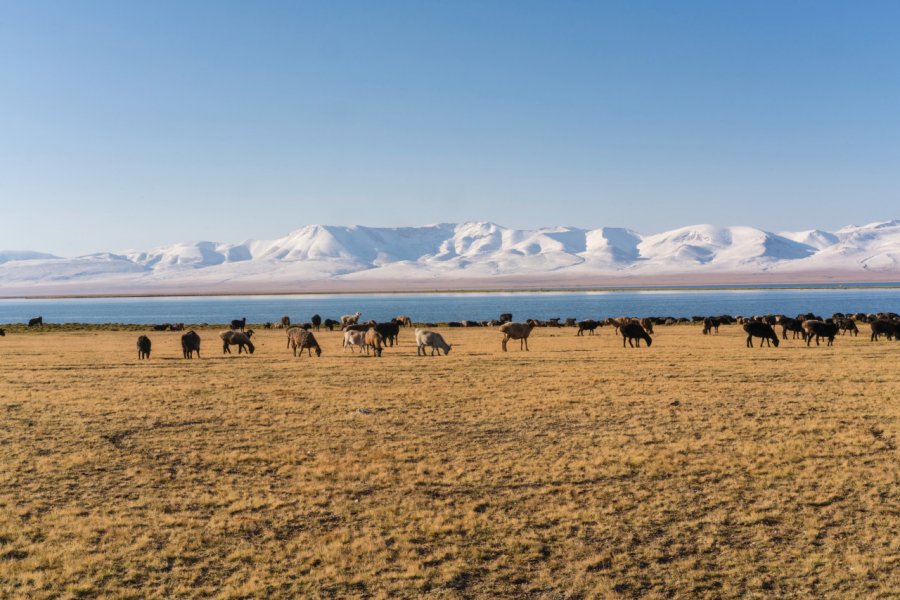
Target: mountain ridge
x,y
474,251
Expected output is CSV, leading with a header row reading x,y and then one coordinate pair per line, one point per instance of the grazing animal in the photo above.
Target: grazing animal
x,y
237,338
316,321
846,324
35,321
350,319
143,347
711,324
190,343
267,325
572,322
239,324
389,331
454,324
647,324
2,333
588,325
374,341
285,321
820,330
431,339
300,339
516,331
176,327
883,327
330,324
760,330
617,323
505,318
404,320
636,332
359,326
793,325
354,339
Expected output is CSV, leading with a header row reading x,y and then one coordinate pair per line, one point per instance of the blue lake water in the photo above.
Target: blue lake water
x,y
453,307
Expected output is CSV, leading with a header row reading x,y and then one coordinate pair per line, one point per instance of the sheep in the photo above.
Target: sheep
x,y
316,321
711,324
285,322
354,338
760,330
820,329
359,326
793,325
647,324
375,341
505,318
846,324
389,331
237,338
404,320
190,343
588,325
616,323
633,330
516,331
35,321
351,319
299,338
239,323
431,339
571,322
143,347
883,327
330,324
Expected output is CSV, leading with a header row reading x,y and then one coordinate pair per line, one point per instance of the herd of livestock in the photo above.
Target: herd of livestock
x,y
372,337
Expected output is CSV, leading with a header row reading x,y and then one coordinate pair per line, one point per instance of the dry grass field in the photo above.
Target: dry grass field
x,y
695,468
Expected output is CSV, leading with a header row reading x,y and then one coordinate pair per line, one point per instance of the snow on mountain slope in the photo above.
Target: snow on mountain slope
x,y
10,255
471,251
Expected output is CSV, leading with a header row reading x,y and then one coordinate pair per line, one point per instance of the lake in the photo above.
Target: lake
x,y
453,307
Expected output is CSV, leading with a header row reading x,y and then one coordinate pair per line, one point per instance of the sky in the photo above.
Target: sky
x,y
131,125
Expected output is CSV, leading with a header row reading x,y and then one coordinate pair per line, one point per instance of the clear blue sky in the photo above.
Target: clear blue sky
x,y
127,125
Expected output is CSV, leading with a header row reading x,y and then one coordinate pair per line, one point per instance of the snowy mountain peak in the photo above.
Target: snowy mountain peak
x,y
365,257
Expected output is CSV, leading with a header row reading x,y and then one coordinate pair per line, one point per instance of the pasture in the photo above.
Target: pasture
x,y
695,468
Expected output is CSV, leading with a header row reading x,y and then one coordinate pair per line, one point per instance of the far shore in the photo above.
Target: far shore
x,y
421,292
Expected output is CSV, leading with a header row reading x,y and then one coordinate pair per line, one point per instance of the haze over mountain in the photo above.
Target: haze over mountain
x,y
472,255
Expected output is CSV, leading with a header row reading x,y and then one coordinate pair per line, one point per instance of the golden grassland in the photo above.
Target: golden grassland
x,y
695,468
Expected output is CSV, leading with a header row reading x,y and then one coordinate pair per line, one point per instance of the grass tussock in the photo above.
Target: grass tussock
x,y
695,468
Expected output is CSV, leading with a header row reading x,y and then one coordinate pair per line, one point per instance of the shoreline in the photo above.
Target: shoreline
x,y
541,290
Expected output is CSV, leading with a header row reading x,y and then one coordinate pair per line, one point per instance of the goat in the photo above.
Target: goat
x,y
316,321
375,341
143,347
351,319
430,339
820,329
239,324
516,331
883,327
35,321
389,331
588,325
190,343
354,338
760,330
237,338
634,331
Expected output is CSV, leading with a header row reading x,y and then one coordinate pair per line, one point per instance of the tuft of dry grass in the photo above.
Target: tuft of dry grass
x,y
695,468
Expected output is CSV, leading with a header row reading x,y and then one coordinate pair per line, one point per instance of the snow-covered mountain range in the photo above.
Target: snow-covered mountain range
x,y
469,255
